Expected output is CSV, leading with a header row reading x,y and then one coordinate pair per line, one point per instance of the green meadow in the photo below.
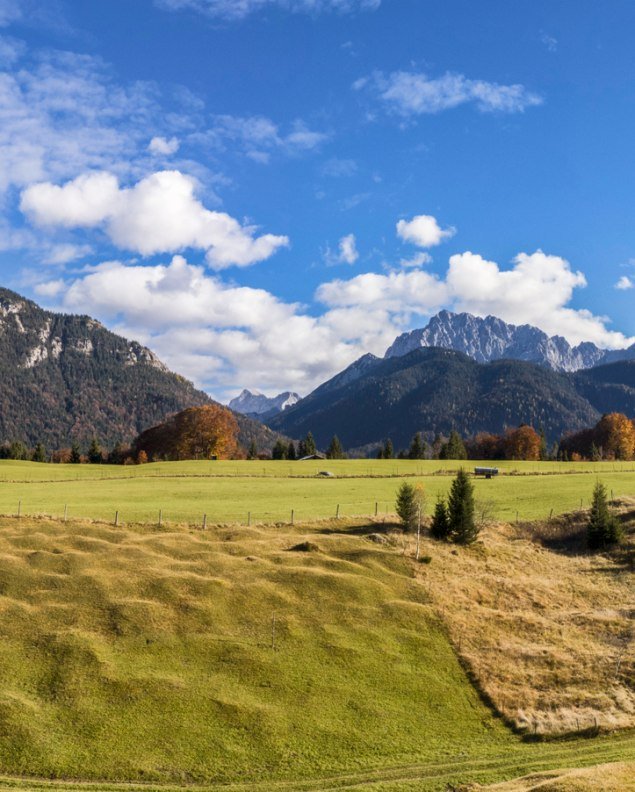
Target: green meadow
x,y
240,659
265,492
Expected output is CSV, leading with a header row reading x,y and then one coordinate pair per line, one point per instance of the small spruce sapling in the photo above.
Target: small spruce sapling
x,y
463,527
603,529
407,507
440,526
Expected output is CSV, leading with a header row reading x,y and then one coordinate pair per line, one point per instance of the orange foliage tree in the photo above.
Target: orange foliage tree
x,y
615,435
522,443
196,433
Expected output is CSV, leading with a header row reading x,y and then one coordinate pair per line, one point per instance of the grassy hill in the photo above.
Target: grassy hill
x,y
143,655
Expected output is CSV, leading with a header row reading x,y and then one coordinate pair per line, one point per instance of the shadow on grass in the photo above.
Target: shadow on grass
x,y
362,530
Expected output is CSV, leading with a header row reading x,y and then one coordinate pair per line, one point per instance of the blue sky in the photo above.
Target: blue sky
x,y
263,190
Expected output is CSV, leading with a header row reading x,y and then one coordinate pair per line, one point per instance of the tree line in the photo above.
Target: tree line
x,y
211,431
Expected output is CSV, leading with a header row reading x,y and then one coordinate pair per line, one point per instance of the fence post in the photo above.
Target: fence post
x,y
292,516
160,517
248,518
116,519
19,509
376,508
204,522
65,512
337,512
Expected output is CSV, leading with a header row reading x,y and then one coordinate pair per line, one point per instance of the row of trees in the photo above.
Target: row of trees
x,y
452,521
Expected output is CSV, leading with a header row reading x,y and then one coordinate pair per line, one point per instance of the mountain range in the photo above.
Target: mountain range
x,y
257,405
491,338
436,390
67,378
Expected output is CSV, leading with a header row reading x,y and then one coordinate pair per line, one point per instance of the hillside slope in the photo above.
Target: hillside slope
x,y
68,378
437,390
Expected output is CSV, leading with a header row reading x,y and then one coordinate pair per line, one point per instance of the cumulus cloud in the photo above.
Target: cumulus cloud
x,y
423,231
537,290
239,9
625,283
221,335
415,93
163,147
159,214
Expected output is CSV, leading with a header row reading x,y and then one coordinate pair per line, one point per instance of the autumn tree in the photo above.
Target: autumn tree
x,y
523,443
196,433
615,434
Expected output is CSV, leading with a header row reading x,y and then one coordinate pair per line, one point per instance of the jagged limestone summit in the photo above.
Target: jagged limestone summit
x,y
491,338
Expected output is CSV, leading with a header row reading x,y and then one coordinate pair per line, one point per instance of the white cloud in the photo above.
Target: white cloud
x,y
158,214
418,260
412,93
258,136
625,283
225,337
239,9
61,114
423,231
222,336
10,11
348,249
163,147
537,290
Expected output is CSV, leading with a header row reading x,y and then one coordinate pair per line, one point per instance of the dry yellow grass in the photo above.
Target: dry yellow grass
x,y
547,635
618,777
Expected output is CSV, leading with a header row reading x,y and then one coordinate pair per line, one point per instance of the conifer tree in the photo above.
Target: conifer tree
x,y
603,529
380,452
417,448
454,448
389,451
76,454
463,528
407,507
440,526
291,452
279,450
39,453
252,453
95,456
335,450
309,445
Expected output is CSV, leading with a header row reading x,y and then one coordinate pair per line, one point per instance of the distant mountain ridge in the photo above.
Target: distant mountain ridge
x,y
489,339
257,405
434,390
66,378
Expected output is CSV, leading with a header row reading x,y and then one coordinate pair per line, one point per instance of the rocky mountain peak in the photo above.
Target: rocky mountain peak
x,y
490,338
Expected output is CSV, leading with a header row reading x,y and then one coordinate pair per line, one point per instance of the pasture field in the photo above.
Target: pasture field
x,y
267,492
305,657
